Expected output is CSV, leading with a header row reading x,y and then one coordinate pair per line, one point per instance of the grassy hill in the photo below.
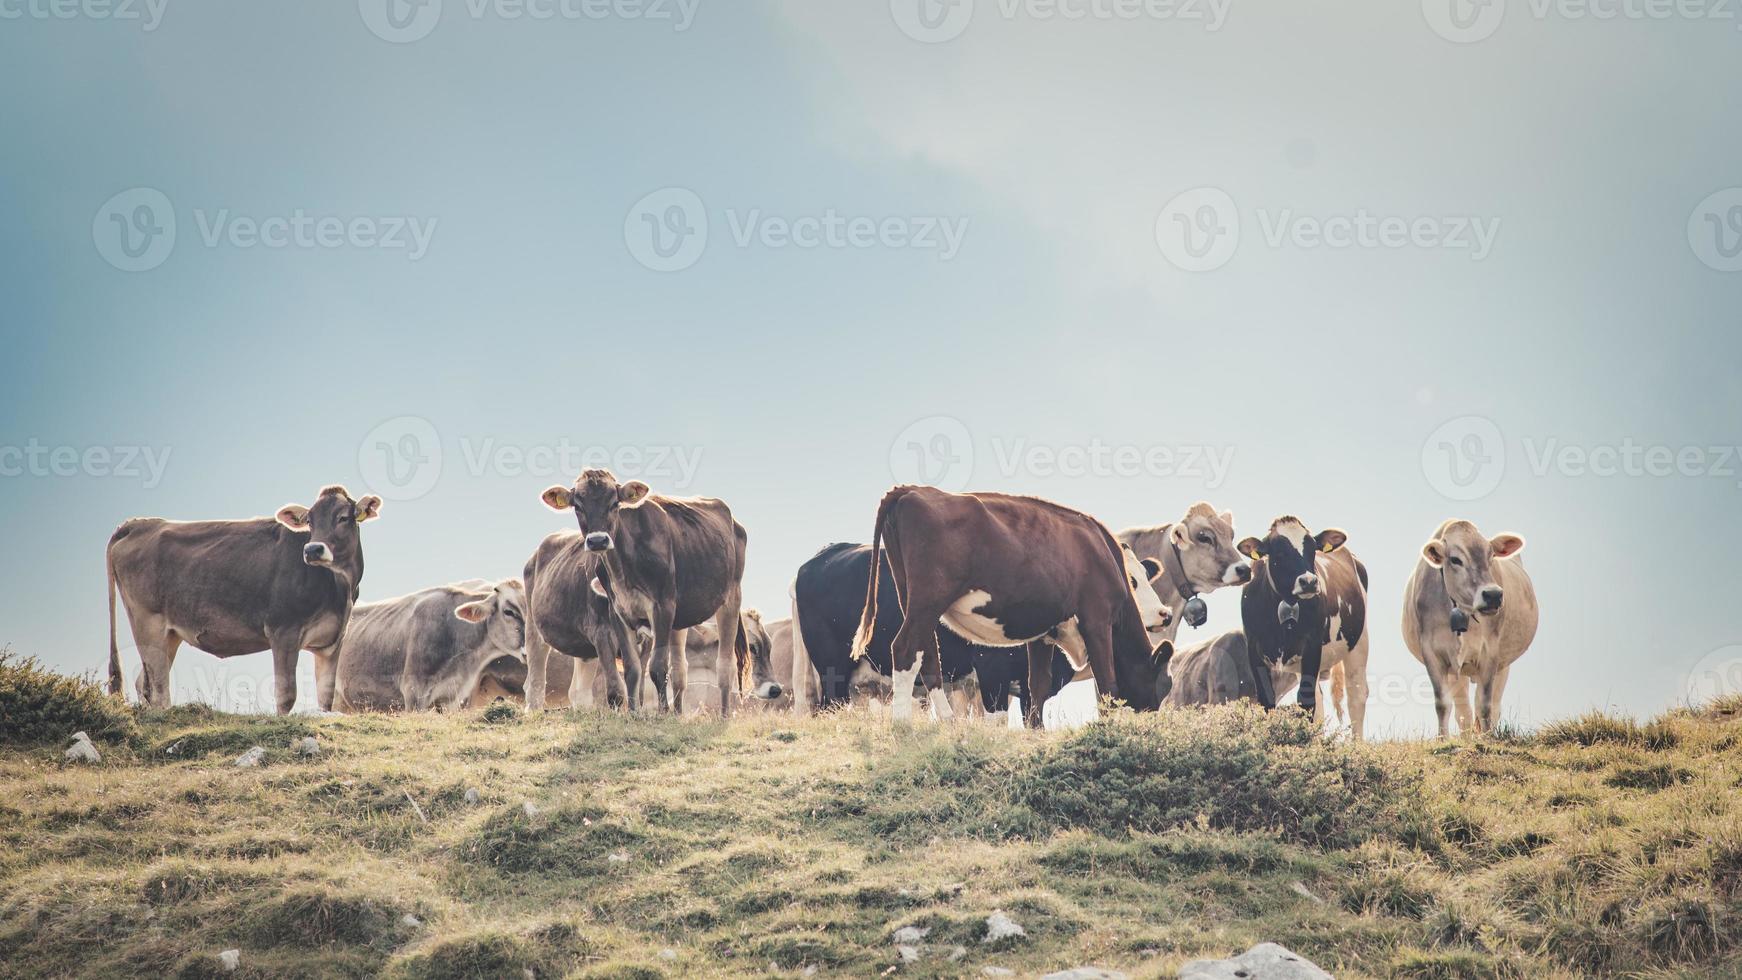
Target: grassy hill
x,y
654,847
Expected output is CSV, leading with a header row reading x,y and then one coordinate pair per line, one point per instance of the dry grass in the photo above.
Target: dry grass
x,y
659,847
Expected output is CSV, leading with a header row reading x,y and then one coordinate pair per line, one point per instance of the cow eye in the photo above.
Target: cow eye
x,y
1203,537
1457,561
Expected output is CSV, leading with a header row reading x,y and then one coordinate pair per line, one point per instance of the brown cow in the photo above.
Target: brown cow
x,y
1002,570
571,615
285,583
671,562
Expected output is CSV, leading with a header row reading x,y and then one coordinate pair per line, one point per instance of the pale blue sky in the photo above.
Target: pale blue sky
x,y
787,375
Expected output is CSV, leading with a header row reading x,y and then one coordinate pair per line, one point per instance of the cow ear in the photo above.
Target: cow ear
x,y
755,614
1434,552
475,612
1151,568
1163,653
1178,533
293,516
557,498
1506,545
368,508
1251,548
1227,517
632,493
1330,539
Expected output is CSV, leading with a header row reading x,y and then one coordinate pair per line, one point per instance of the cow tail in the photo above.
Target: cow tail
x,y
868,618
741,648
1339,692
115,687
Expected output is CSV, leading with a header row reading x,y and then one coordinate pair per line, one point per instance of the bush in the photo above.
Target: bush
x,y
1593,728
501,713
1233,767
38,706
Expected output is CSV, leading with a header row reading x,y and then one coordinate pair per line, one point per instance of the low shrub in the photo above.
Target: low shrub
x,y
39,706
1592,728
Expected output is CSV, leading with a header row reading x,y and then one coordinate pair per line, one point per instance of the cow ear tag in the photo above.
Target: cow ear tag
x,y
1460,621
1197,610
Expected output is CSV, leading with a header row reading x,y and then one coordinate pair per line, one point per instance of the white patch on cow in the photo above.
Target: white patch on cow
x,y
1296,532
1150,608
1231,575
901,700
1074,706
939,701
1070,639
973,626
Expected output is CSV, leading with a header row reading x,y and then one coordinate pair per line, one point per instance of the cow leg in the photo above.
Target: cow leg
x,y
156,644
1354,673
615,696
1263,686
284,674
726,657
1488,693
680,671
633,673
801,663
1442,681
326,676
931,670
919,626
659,663
537,668
1039,679
1460,686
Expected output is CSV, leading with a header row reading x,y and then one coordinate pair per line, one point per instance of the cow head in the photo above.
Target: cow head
x,y
761,650
331,525
502,612
1466,559
1289,554
1204,540
597,499
1140,578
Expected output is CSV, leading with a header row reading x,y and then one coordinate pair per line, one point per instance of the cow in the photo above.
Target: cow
x,y
1002,570
428,649
701,646
827,600
1215,671
1304,612
1001,673
284,583
1466,580
672,563
1196,554
571,614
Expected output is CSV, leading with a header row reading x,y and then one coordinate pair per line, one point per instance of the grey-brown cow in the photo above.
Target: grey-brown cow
x,y
285,583
428,649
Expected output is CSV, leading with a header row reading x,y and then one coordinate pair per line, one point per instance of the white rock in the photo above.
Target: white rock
x,y
1085,973
668,954
410,920
617,857
996,971
909,954
174,748
471,796
1303,891
231,959
81,736
528,809
809,971
83,751
910,934
1265,961
251,757
309,746
1001,926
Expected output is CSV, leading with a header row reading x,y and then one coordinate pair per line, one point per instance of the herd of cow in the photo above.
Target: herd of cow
x,y
1011,595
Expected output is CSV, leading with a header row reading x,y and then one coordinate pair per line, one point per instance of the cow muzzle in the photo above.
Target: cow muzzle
x,y
1238,573
1165,621
1488,600
1288,614
598,541
768,690
316,553
1306,586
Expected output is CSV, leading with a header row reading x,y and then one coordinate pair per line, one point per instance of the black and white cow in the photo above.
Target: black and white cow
x,y
1304,612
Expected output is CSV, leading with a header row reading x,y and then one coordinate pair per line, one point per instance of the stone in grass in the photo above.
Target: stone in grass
x,y
230,959
308,746
82,750
529,809
996,971
471,796
908,954
251,758
910,935
1265,961
1001,926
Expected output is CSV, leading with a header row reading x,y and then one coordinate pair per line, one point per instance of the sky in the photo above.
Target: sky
x,y
1378,266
